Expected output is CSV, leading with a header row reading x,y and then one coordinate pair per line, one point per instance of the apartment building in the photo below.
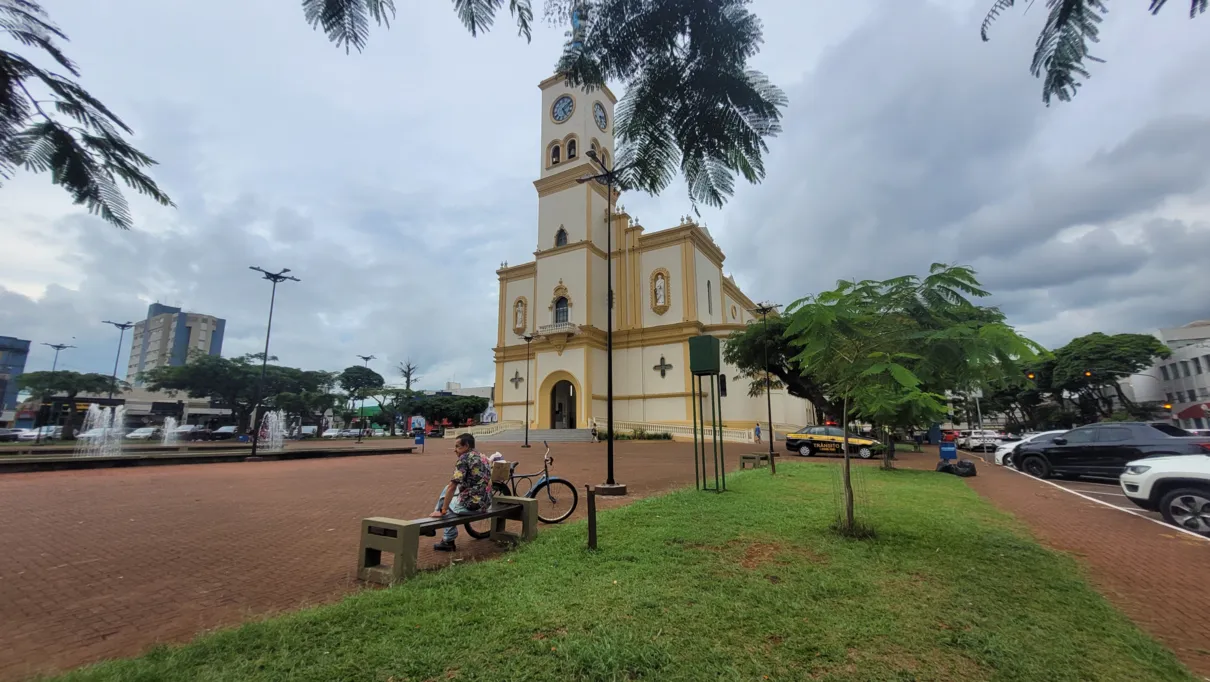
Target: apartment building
x,y
1182,379
170,337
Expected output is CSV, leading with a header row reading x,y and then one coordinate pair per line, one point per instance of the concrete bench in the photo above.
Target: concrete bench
x,y
754,460
401,538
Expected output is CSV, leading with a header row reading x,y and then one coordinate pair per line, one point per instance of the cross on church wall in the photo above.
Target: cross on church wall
x,y
517,379
663,367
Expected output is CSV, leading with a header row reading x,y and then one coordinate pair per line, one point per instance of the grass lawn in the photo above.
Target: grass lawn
x,y
748,585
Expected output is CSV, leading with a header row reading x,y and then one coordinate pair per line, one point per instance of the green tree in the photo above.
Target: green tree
x,y
745,350
361,383
1062,47
1092,366
313,398
50,123
889,349
692,103
46,385
231,382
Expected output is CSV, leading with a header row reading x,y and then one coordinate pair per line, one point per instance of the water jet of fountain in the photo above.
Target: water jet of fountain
x,y
273,431
169,435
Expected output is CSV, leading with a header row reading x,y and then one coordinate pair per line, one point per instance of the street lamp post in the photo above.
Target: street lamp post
x,y
763,310
528,361
276,278
63,346
122,327
608,177
361,411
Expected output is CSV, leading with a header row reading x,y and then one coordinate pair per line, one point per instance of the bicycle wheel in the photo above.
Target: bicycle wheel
x,y
556,498
481,530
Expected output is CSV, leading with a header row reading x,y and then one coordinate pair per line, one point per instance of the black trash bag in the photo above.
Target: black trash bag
x,y
945,467
965,469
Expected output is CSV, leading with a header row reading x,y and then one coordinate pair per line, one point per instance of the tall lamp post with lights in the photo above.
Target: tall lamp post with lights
x,y
528,361
122,327
763,310
63,346
608,177
361,411
276,278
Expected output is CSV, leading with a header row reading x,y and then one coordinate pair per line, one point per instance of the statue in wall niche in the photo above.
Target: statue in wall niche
x,y
659,289
520,321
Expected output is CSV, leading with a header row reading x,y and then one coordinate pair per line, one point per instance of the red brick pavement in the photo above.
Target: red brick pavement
x,y
105,563
1155,575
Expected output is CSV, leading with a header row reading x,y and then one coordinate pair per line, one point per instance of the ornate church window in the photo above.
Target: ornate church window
x,y
561,310
561,237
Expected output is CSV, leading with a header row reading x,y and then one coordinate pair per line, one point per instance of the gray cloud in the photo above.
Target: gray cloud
x,y
395,182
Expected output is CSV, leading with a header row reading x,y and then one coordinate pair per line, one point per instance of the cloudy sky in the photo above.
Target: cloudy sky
x,y
394,182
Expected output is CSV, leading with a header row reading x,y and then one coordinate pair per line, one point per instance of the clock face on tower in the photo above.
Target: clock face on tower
x,y
562,108
598,114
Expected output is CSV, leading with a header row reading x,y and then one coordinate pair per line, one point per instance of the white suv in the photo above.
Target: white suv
x,y
1177,487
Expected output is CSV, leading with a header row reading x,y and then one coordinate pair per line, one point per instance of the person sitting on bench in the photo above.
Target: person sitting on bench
x,y
469,491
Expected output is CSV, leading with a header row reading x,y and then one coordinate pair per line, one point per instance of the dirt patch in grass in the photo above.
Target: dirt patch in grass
x,y
753,554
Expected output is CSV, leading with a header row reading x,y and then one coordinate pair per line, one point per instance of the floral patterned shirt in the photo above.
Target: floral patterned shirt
x,y
473,475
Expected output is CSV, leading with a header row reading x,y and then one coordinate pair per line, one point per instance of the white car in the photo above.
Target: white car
x,y
1004,451
42,433
101,433
1177,487
980,440
144,433
333,433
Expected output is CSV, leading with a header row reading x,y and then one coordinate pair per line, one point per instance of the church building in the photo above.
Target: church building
x,y
669,287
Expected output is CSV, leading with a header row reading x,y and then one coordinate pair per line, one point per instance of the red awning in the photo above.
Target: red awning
x,y
1194,411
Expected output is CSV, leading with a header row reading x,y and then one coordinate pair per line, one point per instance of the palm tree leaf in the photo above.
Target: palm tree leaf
x,y
48,146
347,22
992,15
1195,6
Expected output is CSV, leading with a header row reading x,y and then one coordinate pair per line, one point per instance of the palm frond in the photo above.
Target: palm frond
x,y
1062,46
992,15
347,22
49,146
1195,6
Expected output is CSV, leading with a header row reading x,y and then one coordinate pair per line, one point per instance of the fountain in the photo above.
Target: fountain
x,y
169,435
273,431
109,444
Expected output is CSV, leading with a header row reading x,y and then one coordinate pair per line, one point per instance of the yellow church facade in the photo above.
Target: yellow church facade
x,y
669,287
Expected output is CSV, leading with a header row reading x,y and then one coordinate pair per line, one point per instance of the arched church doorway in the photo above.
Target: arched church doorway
x,y
563,405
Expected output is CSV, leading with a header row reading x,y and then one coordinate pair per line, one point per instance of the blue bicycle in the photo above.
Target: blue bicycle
x,y
557,497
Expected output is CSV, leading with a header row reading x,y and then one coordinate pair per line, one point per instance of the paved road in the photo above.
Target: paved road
x,y
107,562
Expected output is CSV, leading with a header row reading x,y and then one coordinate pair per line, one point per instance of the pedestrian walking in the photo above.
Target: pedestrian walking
x,y
757,432
594,432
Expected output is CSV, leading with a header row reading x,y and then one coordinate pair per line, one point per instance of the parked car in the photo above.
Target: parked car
x,y
1103,450
145,433
42,433
10,435
1005,451
1177,487
192,433
307,432
333,433
979,440
811,440
378,433
348,433
224,433
101,432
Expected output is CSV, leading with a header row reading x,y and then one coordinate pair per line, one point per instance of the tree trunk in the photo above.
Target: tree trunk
x,y
69,425
846,479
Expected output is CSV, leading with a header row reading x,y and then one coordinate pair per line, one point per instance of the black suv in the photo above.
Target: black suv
x,y
1103,450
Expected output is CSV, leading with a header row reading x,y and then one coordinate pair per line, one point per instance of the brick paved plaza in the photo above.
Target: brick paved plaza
x,y
107,563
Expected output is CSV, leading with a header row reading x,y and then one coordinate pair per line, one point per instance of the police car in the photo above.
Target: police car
x,y
813,440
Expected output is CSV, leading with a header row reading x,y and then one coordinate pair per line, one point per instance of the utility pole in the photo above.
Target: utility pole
x,y
122,327
528,361
361,411
63,346
763,310
276,278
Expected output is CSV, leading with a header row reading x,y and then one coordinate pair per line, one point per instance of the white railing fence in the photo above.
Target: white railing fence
x,y
486,429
